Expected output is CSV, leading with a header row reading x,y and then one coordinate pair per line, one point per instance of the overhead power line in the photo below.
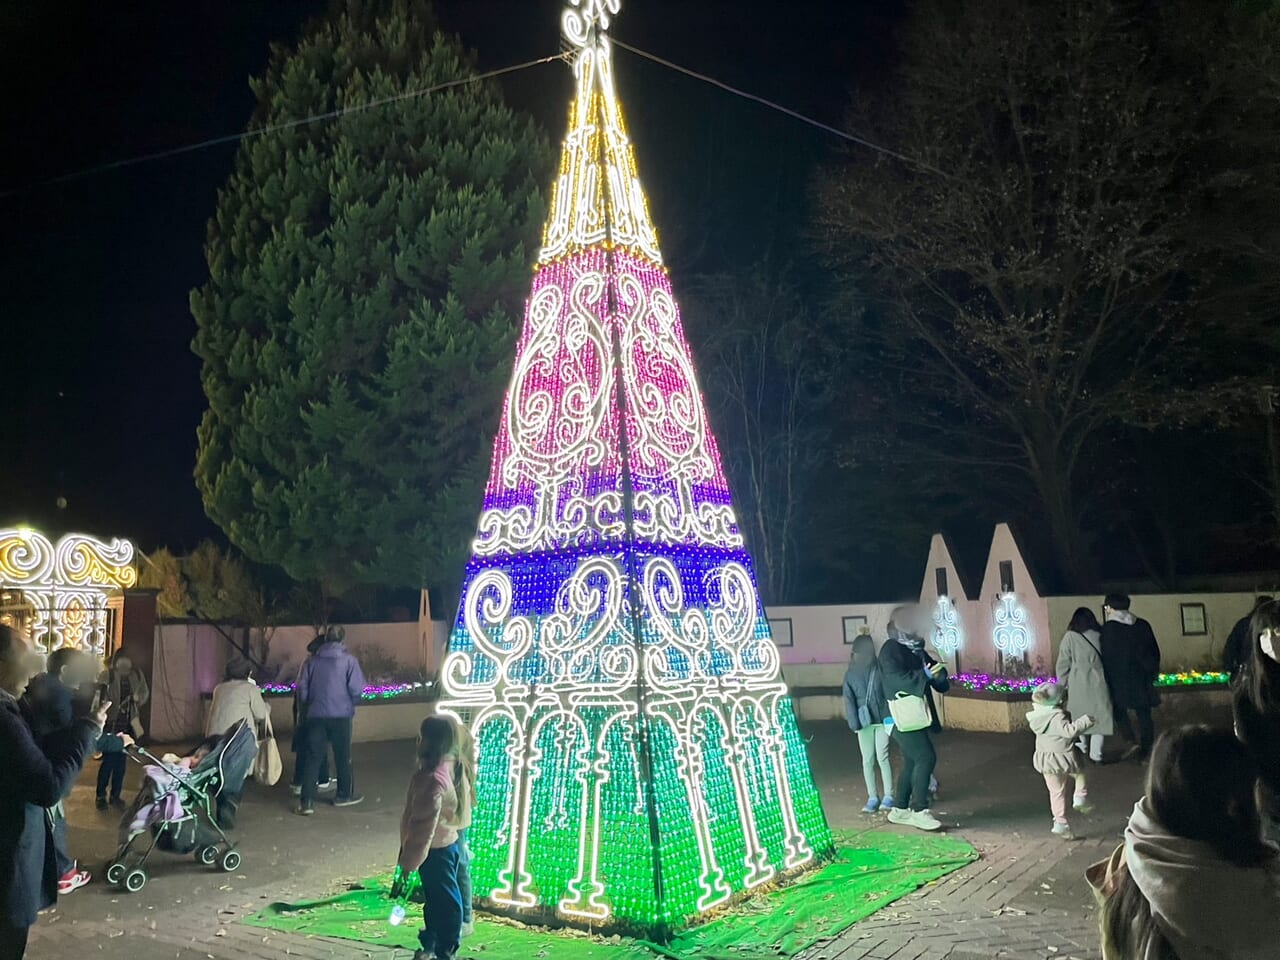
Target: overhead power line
x,y
794,114
447,85
271,128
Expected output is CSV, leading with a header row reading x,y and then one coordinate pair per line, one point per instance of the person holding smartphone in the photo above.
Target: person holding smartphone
x,y
906,668
50,704
36,776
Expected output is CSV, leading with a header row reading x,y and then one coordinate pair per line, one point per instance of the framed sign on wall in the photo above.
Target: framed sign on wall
x,y
781,630
1194,622
854,627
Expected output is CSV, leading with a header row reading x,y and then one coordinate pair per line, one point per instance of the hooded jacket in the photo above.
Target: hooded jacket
x,y
1131,659
1055,739
330,683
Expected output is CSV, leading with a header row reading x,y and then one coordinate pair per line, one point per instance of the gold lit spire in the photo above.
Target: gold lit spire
x,y
596,196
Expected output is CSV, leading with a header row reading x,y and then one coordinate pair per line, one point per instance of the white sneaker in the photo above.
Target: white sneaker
x,y
920,819
1082,806
466,930
329,784
1063,831
925,820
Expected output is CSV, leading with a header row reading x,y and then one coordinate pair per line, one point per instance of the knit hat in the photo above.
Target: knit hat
x,y
1047,695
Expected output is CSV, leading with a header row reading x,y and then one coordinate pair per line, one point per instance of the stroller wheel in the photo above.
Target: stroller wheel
x,y
115,872
231,861
208,855
135,879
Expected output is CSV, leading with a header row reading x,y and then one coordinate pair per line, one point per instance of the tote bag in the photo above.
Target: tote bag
x,y
266,765
910,713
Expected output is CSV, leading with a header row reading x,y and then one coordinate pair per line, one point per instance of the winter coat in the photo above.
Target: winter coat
x,y
429,811
1204,907
1259,731
902,670
864,702
1055,734
1131,658
139,694
233,701
330,683
35,777
1081,674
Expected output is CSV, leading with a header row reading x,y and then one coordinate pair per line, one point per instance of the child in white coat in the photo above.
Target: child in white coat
x,y
1056,757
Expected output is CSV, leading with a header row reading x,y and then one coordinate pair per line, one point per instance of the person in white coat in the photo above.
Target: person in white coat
x,y
1080,673
237,698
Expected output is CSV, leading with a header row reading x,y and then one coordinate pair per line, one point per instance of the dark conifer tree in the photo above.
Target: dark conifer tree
x,y
365,278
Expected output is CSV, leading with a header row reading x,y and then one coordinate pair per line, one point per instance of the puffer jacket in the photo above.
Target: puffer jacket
x,y
330,683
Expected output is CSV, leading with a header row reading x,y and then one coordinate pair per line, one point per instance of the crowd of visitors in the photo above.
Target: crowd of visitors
x,y
1195,876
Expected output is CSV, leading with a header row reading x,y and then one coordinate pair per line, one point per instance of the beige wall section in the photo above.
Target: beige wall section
x,y
818,632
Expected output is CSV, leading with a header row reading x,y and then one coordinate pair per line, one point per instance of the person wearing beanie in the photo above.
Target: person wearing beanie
x,y
1056,758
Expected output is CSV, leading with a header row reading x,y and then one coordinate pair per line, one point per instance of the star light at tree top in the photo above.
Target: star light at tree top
x,y
639,760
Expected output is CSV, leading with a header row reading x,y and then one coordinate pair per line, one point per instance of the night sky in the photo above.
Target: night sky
x,y
103,395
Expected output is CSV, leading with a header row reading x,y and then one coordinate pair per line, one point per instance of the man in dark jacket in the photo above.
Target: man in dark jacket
x,y
1131,661
329,687
49,707
35,778
1235,653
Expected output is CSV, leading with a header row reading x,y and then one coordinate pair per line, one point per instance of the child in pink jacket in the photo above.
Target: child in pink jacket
x,y
1056,757
429,841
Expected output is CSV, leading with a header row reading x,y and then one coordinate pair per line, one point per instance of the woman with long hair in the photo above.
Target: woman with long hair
x,y
1255,702
1081,675
865,711
429,839
1194,879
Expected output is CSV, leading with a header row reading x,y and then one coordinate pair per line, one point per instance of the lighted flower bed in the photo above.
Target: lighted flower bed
x,y
994,704
375,691
985,683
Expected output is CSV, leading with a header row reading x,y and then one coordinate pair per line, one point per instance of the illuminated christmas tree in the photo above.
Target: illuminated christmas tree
x,y
639,760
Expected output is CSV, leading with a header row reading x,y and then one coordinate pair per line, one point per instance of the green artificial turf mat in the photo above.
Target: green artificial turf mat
x,y
870,871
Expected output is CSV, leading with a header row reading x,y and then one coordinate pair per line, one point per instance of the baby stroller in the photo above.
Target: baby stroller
x,y
178,808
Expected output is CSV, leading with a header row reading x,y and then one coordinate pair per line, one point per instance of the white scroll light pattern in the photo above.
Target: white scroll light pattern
x,y
578,197
560,421
68,584
586,659
552,539
1011,632
948,632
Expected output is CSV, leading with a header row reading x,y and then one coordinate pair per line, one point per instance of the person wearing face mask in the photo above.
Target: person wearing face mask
x,y
1255,701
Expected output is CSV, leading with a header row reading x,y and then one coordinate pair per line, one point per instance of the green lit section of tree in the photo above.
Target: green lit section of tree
x,y
358,321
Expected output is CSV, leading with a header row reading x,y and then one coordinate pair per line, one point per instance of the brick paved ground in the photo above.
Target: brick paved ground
x,y
1025,898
